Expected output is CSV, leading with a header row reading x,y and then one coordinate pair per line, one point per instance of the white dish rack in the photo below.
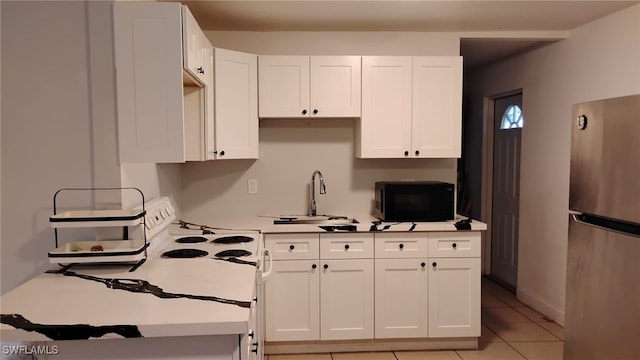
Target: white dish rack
x,y
100,251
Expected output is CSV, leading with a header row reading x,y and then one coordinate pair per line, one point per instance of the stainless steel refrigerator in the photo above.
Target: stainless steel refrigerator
x,y
602,314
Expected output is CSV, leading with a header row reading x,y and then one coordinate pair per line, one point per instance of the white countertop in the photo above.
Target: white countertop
x,y
265,224
186,305
85,301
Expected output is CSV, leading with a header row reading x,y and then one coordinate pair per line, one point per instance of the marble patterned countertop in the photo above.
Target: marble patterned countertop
x,y
163,297
265,224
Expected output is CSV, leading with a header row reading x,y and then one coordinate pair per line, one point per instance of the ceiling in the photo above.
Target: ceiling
x,y
472,18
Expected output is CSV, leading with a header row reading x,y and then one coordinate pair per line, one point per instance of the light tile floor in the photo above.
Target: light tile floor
x,y
510,331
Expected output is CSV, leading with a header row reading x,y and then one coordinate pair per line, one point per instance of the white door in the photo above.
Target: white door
x,y
335,86
508,121
400,298
236,105
385,127
346,299
292,308
437,106
284,86
454,297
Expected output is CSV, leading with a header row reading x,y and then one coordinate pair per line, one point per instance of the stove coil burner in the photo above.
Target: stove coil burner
x,y
184,253
232,239
191,240
232,253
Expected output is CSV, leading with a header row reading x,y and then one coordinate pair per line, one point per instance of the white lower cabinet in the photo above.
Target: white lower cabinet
x,y
338,286
346,299
454,284
293,301
383,285
400,298
454,297
401,285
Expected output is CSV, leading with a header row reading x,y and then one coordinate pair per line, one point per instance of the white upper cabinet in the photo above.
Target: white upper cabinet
x,y
195,45
437,106
172,107
385,128
283,86
315,86
411,107
236,105
148,61
335,86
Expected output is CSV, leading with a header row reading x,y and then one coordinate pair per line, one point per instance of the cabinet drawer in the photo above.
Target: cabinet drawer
x,y
346,246
401,245
292,246
454,244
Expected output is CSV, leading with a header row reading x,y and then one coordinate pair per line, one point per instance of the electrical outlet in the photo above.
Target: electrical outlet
x,y
252,186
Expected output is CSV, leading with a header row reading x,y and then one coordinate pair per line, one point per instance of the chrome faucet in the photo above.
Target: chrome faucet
x,y
323,190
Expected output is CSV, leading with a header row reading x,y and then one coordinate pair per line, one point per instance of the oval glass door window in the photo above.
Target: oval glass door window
x,y
512,118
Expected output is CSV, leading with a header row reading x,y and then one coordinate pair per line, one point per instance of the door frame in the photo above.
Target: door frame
x,y
486,196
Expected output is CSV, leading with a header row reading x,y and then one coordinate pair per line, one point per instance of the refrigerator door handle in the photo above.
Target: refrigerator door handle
x,y
622,227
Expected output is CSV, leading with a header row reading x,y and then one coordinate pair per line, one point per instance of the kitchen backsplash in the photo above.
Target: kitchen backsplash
x,y
290,150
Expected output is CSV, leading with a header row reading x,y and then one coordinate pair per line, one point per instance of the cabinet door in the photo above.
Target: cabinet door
x,y
148,61
209,123
335,86
400,298
346,299
384,130
437,106
236,105
284,86
454,297
194,46
292,301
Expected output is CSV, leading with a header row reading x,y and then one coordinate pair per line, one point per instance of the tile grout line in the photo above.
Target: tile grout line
x,y
505,341
535,322
513,307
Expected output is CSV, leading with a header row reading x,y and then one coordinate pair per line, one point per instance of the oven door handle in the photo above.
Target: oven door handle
x,y
265,274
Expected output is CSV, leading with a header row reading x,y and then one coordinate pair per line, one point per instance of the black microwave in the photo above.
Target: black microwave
x,y
414,201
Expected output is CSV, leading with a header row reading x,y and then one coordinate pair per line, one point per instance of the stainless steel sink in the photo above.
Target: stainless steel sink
x,y
316,220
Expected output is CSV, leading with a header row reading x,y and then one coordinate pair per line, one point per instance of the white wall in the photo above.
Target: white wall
x,y
337,43
290,150
599,60
59,127
46,135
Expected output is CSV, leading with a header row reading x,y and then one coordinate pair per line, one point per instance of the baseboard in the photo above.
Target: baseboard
x,y
305,347
539,304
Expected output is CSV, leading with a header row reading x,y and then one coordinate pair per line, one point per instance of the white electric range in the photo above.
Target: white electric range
x,y
171,238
